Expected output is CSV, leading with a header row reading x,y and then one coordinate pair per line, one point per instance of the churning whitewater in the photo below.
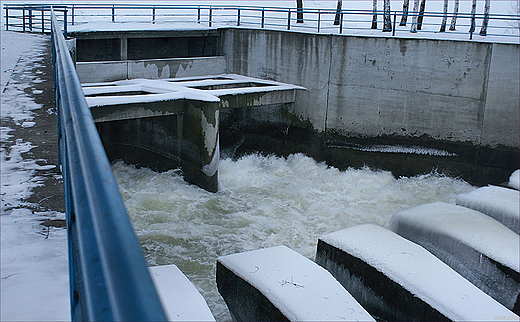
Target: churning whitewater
x,y
262,202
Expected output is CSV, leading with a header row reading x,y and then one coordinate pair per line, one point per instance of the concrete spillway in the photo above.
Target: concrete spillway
x,y
174,123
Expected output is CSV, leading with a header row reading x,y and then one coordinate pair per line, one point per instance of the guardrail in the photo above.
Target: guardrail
x,y
109,278
316,20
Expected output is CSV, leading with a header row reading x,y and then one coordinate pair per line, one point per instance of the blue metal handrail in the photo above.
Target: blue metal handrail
x,y
316,20
109,278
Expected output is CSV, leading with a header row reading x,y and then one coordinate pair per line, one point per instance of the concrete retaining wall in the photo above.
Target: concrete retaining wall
x,y
96,72
455,91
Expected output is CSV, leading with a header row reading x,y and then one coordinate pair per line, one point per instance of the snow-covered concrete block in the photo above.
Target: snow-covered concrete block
x,y
395,279
477,246
514,180
278,284
497,202
179,297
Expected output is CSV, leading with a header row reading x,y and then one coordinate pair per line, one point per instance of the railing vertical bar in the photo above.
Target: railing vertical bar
x,y
263,17
153,14
319,19
210,15
289,19
23,17
341,22
43,20
238,17
113,13
393,26
7,19
30,20
198,14
72,15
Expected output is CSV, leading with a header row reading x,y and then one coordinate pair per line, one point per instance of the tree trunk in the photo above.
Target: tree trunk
x,y
299,11
444,16
483,30
404,17
337,18
473,12
387,20
414,18
374,16
455,13
421,14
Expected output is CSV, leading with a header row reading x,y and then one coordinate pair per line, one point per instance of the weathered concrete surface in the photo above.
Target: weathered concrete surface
x,y
278,284
97,72
457,96
478,247
397,280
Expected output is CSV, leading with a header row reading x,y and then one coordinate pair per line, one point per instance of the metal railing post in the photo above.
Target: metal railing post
x,y
6,19
113,13
153,14
238,17
319,19
30,20
23,17
289,20
198,14
72,15
263,16
65,23
210,15
341,22
43,20
393,26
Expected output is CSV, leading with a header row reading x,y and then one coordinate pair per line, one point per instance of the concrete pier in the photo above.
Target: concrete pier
x,y
397,280
478,247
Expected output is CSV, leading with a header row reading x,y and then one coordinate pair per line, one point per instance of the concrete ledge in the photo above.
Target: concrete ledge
x,y
106,71
278,284
397,280
477,246
499,203
180,298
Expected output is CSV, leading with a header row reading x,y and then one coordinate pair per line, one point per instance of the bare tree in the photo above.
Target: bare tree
x,y
299,11
374,15
455,13
387,20
414,17
337,18
483,30
404,17
444,16
421,14
473,12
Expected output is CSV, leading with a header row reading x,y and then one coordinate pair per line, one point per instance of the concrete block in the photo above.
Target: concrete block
x,y
499,203
477,246
278,284
395,279
180,299
94,72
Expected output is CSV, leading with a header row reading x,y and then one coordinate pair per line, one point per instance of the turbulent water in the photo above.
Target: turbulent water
x,y
262,202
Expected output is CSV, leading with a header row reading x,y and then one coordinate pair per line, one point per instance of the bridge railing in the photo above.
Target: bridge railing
x,y
315,20
109,278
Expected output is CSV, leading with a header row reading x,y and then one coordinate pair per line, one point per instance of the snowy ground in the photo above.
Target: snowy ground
x,y
34,267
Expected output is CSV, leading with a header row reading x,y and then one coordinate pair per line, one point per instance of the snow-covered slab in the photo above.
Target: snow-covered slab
x,y
477,246
395,279
514,180
274,284
179,297
497,202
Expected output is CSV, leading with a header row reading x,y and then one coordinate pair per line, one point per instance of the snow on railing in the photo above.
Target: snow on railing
x,y
30,17
109,278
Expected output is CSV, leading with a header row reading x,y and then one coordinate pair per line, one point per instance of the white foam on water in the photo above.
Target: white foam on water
x,y
262,202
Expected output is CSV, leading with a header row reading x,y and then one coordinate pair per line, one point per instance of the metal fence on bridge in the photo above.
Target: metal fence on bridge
x,y
109,278
33,18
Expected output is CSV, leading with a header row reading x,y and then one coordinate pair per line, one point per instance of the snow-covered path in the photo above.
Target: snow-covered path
x,y
34,267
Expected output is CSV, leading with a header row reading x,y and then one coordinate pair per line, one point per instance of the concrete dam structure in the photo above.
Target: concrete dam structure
x,y
404,105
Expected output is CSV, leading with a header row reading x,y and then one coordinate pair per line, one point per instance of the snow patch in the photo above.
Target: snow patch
x,y
514,180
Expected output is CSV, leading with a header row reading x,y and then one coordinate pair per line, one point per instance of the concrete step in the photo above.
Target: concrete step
x,y
278,284
395,279
477,246
179,297
499,203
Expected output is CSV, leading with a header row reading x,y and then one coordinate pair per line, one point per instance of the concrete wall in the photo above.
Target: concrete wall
x,y
455,91
93,72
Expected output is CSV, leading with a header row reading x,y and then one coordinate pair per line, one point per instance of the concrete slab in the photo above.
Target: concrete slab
x,y
477,246
397,280
499,203
277,284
